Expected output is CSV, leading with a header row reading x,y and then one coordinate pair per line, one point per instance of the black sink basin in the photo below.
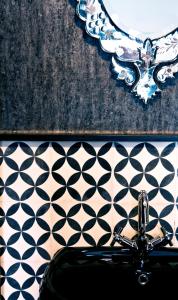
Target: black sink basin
x,y
107,273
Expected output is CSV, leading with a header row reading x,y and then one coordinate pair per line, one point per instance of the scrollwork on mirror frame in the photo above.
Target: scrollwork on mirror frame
x,y
143,65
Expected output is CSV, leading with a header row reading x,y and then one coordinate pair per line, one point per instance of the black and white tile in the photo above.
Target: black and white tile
x,y
57,194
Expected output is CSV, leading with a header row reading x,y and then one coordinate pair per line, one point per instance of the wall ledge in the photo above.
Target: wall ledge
x,y
88,135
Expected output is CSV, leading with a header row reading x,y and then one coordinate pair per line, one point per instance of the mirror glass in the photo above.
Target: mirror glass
x,y
144,18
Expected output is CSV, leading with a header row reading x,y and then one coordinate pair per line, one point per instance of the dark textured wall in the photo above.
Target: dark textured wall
x,y
53,76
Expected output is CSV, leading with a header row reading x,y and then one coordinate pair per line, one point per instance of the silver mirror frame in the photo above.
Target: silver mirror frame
x,y
144,65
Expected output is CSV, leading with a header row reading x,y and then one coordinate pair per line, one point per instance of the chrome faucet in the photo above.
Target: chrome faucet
x,y
141,243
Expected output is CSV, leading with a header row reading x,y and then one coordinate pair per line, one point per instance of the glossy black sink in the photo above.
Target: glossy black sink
x,y
107,273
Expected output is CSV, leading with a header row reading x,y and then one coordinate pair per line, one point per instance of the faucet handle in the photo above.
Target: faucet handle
x,y
160,241
116,235
167,236
122,240
155,243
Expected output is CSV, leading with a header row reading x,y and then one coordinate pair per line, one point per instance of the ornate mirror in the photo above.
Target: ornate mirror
x,y
142,35
140,17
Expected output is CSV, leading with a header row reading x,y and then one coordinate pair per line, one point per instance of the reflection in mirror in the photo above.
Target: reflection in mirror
x,y
142,38
144,18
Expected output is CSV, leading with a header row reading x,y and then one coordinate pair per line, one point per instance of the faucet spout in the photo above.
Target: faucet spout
x,y
143,212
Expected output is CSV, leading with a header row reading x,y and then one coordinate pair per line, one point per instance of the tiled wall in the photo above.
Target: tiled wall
x,y
71,194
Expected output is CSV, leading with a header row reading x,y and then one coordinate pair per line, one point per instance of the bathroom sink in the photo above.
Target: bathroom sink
x,y
87,273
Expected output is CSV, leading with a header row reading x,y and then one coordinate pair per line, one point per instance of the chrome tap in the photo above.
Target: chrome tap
x,y
141,243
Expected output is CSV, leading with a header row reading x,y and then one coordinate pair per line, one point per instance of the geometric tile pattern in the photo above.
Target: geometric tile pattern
x,y
57,194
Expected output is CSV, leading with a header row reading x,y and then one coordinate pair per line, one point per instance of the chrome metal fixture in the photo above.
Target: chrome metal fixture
x,y
142,37
141,244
